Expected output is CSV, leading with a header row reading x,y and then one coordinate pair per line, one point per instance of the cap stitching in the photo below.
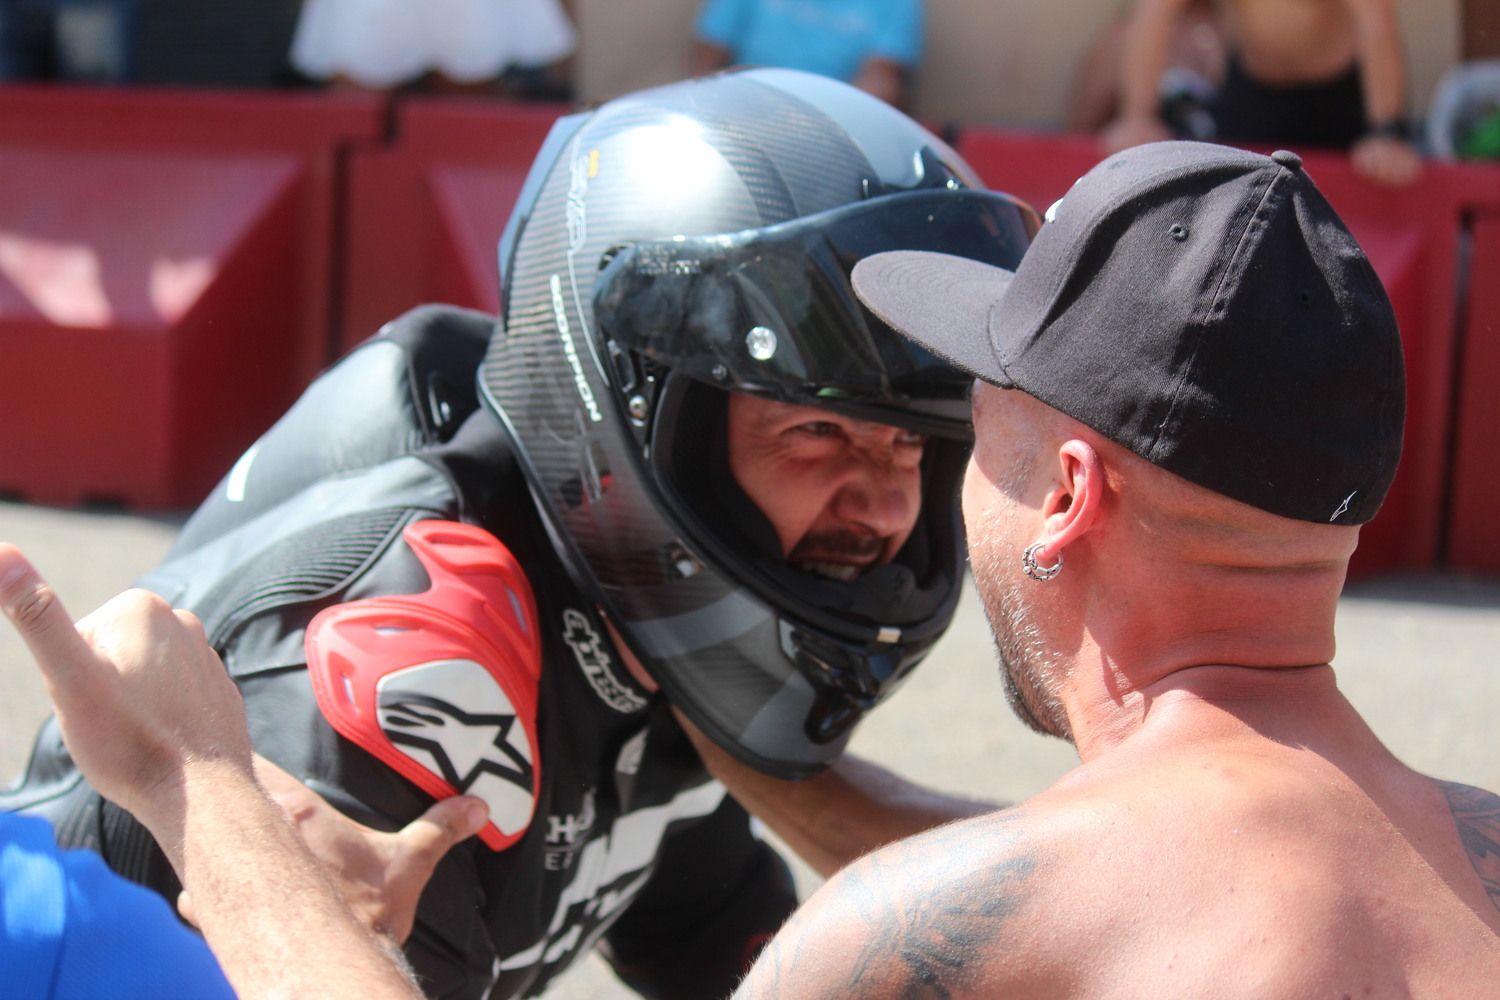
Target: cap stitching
x,y
1200,321
1118,203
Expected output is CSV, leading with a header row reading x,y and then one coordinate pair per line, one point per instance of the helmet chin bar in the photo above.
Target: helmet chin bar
x,y
849,682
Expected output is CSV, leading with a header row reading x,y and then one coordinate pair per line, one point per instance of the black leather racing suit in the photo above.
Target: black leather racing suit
x,y
630,842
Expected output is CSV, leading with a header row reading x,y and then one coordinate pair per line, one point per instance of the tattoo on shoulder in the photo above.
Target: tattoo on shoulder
x,y
1476,812
926,913
929,934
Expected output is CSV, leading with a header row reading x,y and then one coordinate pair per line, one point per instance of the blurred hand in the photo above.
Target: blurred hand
x,y
1386,160
884,79
140,695
381,875
1122,133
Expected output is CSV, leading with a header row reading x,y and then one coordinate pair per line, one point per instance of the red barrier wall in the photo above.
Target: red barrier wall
x,y
1473,541
166,281
426,212
175,266
1411,239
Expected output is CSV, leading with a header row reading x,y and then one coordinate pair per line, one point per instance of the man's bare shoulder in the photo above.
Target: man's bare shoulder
x,y
1167,870
986,906
949,913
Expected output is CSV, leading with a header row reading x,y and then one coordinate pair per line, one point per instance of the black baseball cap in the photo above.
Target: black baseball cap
x,y
1202,306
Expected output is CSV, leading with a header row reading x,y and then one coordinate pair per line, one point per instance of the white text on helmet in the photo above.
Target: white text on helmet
x,y
560,311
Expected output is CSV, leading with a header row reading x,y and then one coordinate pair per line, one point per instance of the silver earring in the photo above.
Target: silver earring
x,y
1039,573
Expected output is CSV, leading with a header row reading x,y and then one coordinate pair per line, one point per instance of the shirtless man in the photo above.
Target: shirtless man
x,y
1318,72
1191,391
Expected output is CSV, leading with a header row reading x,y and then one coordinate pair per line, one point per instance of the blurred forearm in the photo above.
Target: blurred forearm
x,y
706,57
884,79
1381,65
840,814
1148,34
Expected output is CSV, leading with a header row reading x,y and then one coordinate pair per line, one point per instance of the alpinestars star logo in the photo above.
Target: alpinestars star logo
x,y
588,649
460,744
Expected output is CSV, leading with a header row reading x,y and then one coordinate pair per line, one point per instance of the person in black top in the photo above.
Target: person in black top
x,y
687,489
1307,72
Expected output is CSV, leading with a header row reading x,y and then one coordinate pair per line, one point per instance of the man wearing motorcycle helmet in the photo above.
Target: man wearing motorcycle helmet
x,y
686,460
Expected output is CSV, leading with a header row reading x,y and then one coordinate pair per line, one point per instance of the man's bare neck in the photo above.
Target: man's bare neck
x,y
1210,701
1212,602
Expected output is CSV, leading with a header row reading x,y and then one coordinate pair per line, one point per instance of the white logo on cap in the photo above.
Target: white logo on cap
x,y
1051,214
1343,508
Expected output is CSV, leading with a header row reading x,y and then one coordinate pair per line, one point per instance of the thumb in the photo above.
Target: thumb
x,y
40,618
428,837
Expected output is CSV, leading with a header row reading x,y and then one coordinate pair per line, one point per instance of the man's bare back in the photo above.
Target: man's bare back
x,y
1214,853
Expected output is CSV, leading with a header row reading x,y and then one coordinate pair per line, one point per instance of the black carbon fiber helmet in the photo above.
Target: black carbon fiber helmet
x,y
697,238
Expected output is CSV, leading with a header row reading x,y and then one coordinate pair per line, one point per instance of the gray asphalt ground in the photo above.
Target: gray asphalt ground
x,y
1416,656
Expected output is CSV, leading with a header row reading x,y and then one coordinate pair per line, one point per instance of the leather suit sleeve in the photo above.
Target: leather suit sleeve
x,y
718,895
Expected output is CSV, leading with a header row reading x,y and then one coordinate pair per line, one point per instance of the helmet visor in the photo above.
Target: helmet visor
x,y
771,311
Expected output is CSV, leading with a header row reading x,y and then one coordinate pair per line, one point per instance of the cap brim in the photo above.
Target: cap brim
x,y
940,301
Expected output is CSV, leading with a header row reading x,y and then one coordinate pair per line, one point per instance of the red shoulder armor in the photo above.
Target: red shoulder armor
x,y
442,685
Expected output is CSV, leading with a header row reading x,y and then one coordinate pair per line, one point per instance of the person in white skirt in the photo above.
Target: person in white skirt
x,y
383,44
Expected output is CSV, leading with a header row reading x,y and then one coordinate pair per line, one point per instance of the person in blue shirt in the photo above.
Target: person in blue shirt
x,y
873,44
70,927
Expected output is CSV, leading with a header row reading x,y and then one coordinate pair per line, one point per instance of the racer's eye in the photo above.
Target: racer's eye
x,y
818,428
913,439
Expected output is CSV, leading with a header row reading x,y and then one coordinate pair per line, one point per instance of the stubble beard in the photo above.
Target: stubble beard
x,y
1029,668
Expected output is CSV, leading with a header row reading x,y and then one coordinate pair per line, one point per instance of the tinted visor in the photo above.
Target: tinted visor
x,y
770,311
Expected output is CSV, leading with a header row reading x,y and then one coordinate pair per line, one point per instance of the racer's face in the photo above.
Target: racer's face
x,y
843,494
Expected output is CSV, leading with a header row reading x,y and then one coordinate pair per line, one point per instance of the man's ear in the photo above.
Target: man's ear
x,y
1073,506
